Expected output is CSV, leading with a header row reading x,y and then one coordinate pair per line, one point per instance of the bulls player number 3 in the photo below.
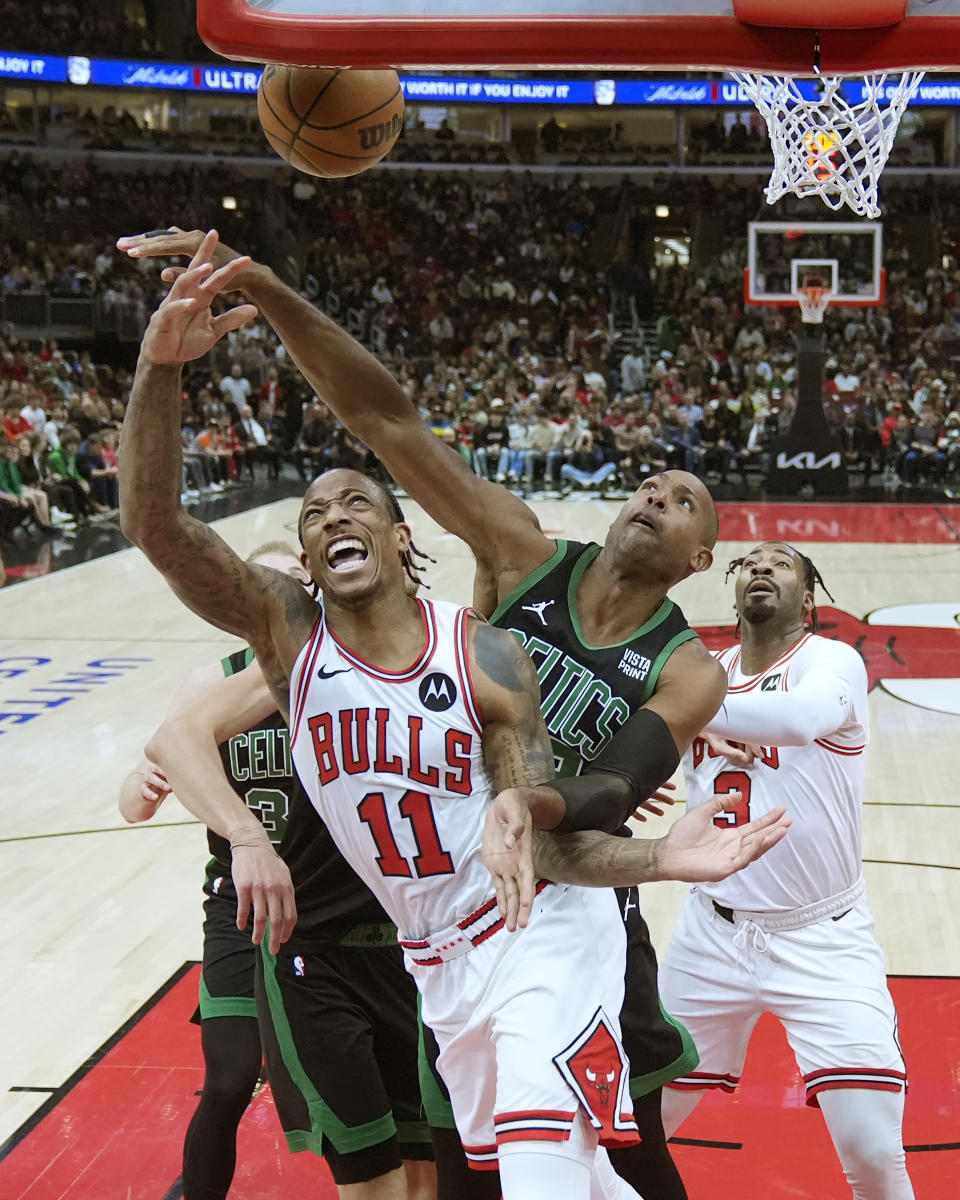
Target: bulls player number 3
x,y
725,783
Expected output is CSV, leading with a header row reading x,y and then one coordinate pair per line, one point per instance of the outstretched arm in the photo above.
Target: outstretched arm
x,y
815,707
643,753
694,851
185,748
265,607
146,787
372,405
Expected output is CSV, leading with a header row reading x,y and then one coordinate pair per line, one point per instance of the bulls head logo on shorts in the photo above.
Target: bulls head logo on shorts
x,y
595,1067
912,651
602,1081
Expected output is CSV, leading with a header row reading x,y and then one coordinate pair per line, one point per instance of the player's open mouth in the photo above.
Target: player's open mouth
x,y
346,554
645,522
761,587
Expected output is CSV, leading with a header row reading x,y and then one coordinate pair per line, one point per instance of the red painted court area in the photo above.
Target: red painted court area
x,y
116,1129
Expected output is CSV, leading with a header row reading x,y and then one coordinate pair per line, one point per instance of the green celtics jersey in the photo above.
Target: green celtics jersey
x,y
258,765
587,692
331,899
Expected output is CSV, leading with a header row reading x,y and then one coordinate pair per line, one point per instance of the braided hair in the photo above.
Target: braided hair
x,y
408,558
811,578
412,552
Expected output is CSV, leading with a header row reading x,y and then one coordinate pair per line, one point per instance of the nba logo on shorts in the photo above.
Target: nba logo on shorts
x,y
298,968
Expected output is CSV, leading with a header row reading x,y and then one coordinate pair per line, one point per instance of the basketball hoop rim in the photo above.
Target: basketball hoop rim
x,y
838,302
655,42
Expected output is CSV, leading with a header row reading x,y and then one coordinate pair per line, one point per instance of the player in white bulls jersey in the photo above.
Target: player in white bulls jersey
x,y
528,1025
792,934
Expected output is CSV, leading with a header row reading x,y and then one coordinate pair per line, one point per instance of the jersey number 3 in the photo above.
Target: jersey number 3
x,y
415,807
733,781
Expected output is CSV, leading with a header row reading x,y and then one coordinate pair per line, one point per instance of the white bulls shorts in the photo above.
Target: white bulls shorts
x,y
825,981
528,1023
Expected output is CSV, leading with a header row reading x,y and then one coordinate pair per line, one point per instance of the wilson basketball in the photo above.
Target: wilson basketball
x,y
327,121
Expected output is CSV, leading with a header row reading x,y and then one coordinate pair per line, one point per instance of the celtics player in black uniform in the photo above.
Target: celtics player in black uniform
x,y
258,765
663,533
342,1063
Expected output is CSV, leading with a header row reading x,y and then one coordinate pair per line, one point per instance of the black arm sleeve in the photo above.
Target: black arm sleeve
x,y
640,757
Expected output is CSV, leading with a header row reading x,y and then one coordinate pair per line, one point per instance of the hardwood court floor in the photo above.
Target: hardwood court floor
x,y
101,915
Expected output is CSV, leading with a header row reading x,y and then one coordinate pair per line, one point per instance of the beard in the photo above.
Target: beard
x,y
758,610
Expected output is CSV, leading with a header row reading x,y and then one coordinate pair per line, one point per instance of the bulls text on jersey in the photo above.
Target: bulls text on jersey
x,y
354,741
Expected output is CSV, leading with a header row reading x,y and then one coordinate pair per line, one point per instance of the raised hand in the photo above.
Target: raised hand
x,y
173,243
183,327
508,855
697,851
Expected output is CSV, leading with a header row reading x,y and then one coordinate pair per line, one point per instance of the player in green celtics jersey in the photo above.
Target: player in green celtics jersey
x,y
625,685
306,1007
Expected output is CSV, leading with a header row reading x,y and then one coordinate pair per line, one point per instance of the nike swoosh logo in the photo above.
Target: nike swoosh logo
x,y
322,674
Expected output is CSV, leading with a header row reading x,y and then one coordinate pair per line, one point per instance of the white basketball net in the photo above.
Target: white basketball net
x,y
826,146
814,300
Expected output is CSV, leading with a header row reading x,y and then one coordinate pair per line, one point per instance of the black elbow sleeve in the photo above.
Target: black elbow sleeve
x,y
640,758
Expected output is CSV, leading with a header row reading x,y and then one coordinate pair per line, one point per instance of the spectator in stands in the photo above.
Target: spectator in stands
x,y
924,457
857,440
898,444
544,439
633,372
236,389
717,456
586,468
35,473
63,468
257,446
32,500
15,424
949,443
755,451
680,437
312,450
101,476
33,411
491,443
646,457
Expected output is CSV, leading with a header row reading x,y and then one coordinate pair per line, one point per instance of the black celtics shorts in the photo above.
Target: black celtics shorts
x,y
339,1028
659,1048
229,962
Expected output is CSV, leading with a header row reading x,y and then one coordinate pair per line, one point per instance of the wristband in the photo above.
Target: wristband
x,y
248,836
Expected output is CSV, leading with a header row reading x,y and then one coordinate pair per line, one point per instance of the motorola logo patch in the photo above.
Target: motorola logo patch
x,y
438,692
770,683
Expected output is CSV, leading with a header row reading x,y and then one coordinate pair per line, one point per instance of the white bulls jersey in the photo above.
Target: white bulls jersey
x,y
821,784
393,763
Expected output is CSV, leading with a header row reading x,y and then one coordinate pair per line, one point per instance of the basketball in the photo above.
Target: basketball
x,y
327,121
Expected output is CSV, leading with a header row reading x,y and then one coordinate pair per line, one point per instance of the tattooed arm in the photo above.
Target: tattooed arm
x,y
266,608
518,756
694,851
366,398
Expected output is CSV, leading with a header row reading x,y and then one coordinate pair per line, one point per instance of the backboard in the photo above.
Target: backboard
x,y
855,36
846,255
